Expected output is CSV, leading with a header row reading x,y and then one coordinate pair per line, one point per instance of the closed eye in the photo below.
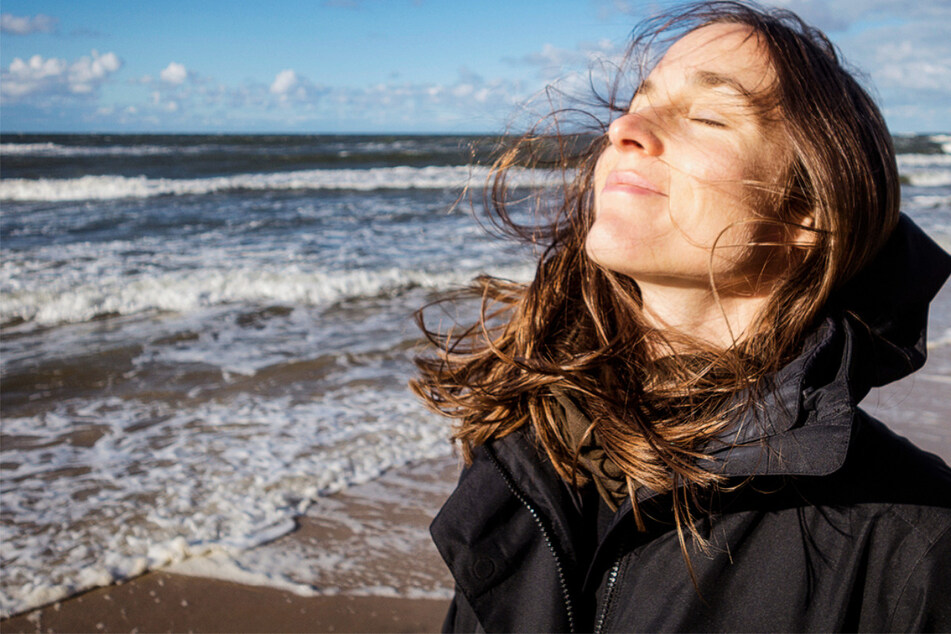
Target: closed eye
x,y
709,122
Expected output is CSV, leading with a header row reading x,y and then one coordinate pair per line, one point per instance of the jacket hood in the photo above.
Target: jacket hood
x,y
874,332
890,298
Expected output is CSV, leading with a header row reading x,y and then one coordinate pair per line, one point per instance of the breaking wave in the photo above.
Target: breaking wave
x,y
400,177
188,291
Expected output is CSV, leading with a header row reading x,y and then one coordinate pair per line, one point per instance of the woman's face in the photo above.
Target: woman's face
x,y
687,165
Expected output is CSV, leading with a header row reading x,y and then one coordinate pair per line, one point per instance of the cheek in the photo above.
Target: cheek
x,y
602,168
720,165
716,185
607,233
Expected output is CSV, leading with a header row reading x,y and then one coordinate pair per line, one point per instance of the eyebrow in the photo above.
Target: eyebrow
x,y
709,79
705,79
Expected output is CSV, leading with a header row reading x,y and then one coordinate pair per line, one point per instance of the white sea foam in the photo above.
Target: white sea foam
x,y
219,565
944,140
190,290
925,170
59,150
401,177
163,483
29,148
369,553
931,200
915,160
929,177
940,340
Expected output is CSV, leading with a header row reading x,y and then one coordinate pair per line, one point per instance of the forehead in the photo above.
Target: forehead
x,y
731,51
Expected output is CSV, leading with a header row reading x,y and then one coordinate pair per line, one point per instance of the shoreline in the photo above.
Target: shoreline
x,y
165,602
378,572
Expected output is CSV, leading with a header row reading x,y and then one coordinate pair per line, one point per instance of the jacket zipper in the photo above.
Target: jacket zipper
x,y
608,593
546,534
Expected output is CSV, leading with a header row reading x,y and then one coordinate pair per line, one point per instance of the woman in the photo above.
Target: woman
x,y
661,430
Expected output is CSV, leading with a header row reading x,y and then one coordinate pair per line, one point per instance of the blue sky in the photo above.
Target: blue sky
x,y
382,65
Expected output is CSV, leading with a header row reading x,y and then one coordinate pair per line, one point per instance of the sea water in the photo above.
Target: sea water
x,y
203,336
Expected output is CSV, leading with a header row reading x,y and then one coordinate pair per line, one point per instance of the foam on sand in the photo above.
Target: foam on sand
x,y
162,483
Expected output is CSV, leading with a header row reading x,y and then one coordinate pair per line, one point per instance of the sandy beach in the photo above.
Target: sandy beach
x,y
162,602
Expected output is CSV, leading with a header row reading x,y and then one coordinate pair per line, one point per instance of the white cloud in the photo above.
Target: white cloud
x,y
26,77
41,76
87,73
174,74
553,62
913,71
583,53
290,100
909,65
284,82
24,25
839,15
462,90
291,89
910,56
471,101
828,15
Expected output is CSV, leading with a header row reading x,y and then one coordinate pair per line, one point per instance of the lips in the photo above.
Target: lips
x,y
631,182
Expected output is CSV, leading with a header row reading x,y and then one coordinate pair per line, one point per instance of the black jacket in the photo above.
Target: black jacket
x,y
840,525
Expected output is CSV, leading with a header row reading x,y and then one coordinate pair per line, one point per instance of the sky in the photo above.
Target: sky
x,y
372,66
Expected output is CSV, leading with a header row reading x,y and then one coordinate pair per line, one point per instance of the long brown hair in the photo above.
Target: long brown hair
x,y
579,330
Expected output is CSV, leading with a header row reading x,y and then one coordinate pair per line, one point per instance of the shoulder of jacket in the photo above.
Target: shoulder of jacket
x,y
877,441
904,490
889,485
921,600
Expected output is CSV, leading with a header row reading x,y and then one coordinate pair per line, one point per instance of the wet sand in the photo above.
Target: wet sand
x,y
162,602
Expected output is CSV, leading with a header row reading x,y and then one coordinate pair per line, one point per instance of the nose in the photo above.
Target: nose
x,y
632,132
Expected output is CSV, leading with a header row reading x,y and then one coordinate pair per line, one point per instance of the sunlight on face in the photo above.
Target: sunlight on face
x,y
687,165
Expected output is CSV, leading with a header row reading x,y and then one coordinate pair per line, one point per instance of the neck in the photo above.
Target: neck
x,y
700,314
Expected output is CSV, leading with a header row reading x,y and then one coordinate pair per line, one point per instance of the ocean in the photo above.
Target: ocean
x,y
202,337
